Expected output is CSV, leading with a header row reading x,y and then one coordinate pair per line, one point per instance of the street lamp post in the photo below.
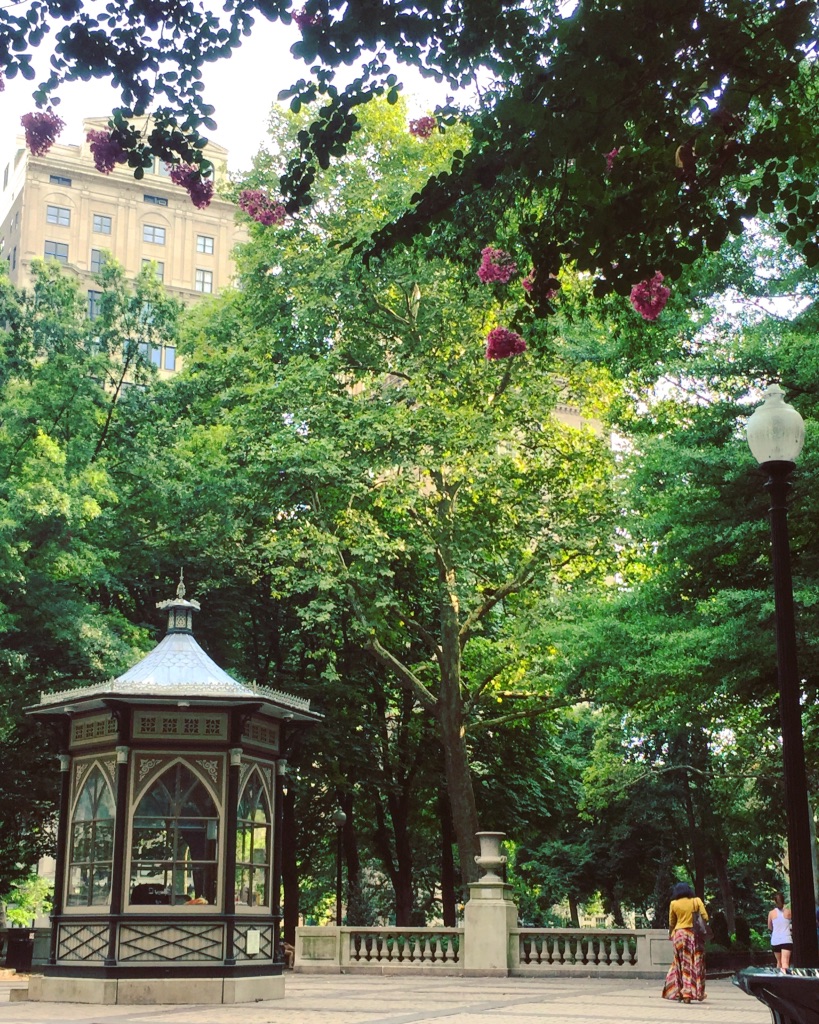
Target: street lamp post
x,y
775,435
339,820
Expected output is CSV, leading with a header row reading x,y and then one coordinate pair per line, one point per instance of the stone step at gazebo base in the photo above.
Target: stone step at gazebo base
x,y
146,989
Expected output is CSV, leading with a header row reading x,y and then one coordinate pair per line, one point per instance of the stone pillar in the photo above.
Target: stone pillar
x,y
489,916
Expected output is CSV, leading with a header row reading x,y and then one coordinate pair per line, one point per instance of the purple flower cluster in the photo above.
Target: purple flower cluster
x,y
610,158
198,188
423,127
106,151
258,205
496,265
2,84
501,343
649,297
305,20
42,128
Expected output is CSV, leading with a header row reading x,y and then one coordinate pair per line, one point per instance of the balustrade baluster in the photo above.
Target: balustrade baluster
x,y
449,948
353,951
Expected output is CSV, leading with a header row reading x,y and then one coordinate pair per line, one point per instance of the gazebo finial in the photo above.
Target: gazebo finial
x,y
180,611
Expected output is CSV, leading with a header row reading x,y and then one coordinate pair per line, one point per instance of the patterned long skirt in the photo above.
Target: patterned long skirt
x,y
686,977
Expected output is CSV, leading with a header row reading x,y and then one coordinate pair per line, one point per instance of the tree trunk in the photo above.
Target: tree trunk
x,y
461,794
448,899
721,867
662,889
574,912
814,850
449,713
351,893
696,843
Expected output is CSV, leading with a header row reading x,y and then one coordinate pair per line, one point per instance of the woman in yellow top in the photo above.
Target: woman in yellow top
x,y
685,981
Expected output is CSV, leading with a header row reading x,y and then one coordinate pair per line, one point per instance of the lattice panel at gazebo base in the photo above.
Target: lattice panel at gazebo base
x,y
265,942
170,943
78,942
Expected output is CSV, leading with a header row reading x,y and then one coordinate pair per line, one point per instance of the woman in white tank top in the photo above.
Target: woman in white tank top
x,y
779,925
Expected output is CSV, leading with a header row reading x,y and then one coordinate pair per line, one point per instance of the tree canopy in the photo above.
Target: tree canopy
x,y
629,149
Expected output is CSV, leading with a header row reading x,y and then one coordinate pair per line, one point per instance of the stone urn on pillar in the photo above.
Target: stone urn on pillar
x,y
490,914
490,860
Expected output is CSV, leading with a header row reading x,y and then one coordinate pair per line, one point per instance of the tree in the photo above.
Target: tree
x,y
638,150
60,621
680,642
389,469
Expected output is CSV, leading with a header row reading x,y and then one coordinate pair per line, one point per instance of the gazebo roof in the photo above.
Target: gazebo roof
x,y
176,668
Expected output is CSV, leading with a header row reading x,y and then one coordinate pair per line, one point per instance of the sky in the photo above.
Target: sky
x,y
242,89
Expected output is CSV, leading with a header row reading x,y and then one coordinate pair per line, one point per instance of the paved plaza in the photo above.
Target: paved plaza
x,y
351,999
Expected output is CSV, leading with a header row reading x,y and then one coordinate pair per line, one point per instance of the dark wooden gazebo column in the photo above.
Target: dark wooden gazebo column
x,y
62,841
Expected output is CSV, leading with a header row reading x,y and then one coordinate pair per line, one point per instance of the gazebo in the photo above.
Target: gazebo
x,y
169,837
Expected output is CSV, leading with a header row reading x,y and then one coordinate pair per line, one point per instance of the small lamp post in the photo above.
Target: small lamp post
x,y
339,820
775,435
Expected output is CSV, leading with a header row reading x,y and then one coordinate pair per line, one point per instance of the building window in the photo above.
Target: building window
x,y
58,179
102,224
5,177
92,844
58,215
204,243
170,357
161,168
204,281
14,258
160,268
97,260
253,845
56,251
94,307
155,200
174,841
153,234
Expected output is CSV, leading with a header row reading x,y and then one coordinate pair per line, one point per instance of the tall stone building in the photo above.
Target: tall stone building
x,y
58,206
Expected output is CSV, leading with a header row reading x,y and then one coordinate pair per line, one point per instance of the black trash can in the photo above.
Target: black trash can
x,y
792,996
19,949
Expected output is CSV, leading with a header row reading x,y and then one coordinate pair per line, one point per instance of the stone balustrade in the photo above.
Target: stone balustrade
x,y
585,952
379,950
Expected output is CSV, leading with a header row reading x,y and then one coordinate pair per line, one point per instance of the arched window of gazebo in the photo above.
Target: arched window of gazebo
x,y
92,844
253,845
174,842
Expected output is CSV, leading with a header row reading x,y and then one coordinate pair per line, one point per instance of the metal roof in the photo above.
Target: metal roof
x,y
178,668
